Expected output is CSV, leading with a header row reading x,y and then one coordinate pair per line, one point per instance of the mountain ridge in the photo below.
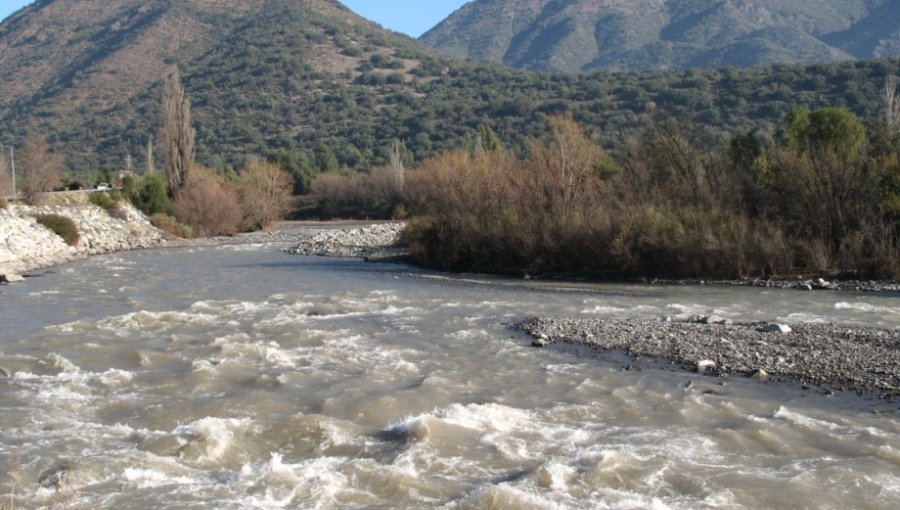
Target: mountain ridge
x,y
589,35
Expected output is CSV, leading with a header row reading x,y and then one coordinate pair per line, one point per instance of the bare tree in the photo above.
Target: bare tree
x,y
396,168
176,134
151,165
891,104
42,170
6,187
567,162
265,191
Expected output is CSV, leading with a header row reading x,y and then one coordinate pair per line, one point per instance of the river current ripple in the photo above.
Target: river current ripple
x,y
241,377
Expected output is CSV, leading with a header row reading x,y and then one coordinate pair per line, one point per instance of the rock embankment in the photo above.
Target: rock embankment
x,y
372,242
860,359
26,245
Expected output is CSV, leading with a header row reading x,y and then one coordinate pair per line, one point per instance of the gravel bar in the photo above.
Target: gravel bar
x,y
371,242
865,360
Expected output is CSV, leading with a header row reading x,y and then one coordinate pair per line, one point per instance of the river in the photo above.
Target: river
x,y
237,376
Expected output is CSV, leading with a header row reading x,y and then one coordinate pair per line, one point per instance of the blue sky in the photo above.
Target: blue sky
x,y
413,17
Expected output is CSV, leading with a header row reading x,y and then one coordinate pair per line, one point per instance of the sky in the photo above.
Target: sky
x,y
412,17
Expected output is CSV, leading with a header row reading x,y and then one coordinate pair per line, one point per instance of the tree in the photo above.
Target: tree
x,y
396,168
176,134
152,197
42,170
6,187
826,175
208,204
891,105
265,192
567,163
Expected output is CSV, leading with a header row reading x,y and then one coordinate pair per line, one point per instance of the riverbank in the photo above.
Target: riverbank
x,y
379,242
26,245
835,358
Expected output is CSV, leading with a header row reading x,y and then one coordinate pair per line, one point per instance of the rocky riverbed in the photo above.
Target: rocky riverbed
x,y
376,242
866,360
26,245
795,283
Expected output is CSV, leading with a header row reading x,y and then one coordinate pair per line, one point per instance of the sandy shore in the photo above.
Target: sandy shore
x,y
864,360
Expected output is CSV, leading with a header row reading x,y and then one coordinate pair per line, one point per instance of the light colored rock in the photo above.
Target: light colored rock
x,y
758,374
704,365
25,245
776,328
715,319
374,242
540,342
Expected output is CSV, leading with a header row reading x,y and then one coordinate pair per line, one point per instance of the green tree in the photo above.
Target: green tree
x,y
152,197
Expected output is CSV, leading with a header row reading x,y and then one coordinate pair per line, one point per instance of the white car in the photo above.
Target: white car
x,y
103,186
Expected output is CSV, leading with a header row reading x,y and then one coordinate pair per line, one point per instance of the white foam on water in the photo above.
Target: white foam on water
x,y
505,497
143,321
556,476
276,484
597,307
465,334
142,478
867,308
687,310
803,318
207,440
806,421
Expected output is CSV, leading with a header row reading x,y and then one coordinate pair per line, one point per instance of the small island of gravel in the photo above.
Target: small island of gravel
x,y
865,360
376,242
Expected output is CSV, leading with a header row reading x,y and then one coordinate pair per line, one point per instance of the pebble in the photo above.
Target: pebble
x,y
777,328
704,365
758,373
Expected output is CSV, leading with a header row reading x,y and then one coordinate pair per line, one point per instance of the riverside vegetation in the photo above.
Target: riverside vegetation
x,y
823,196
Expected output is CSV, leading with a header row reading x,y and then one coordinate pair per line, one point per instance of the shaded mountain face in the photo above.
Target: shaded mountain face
x,y
585,35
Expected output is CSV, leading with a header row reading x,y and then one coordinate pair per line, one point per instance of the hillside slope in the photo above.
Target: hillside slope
x,y
82,69
312,80
586,35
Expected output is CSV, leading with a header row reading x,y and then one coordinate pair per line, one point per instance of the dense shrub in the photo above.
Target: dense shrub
x,y
671,205
374,195
63,227
151,197
103,200
171,226
208,204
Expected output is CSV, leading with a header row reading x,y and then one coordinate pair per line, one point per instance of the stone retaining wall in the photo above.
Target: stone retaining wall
x,y
26,245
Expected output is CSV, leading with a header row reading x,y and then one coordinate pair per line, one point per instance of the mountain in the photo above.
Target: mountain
x,y
83,69
587,35
312,81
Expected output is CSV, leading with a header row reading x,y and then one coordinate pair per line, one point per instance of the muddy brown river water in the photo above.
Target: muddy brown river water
x,y
235,377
